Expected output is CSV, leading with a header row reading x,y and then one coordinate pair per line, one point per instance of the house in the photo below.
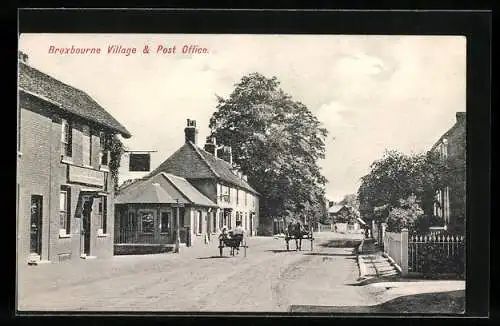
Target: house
x,y
134,164
146,214
450,200
64,185
345,218
211,171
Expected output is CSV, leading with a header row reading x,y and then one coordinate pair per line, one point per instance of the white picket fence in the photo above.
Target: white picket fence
x,y
425,254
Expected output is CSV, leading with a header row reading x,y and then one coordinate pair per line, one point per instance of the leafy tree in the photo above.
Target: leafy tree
x,y
350,200
405,215
276,142
398,176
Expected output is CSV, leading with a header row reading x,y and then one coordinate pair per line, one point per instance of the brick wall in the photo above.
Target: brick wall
x,y
41,172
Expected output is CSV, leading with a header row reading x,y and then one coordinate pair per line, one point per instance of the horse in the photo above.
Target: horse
x,y
295,231
232,242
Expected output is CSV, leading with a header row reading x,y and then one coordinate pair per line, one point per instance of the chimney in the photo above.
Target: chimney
x,y
211,146
228,155
460,117
23,57
190,132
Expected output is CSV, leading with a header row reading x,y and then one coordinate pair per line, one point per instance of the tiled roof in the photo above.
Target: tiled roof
x,y
162,188
188,190
68,98
147,192
192,162
223,169
335,208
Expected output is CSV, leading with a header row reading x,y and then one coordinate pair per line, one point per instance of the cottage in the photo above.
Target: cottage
x,y
64,186
450,200
345,218
212,173
146,214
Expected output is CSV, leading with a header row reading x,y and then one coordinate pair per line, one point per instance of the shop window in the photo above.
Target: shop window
x,y
166,220
147,222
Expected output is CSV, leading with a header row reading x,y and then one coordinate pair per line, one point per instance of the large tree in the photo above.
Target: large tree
x,y
396,177
276,142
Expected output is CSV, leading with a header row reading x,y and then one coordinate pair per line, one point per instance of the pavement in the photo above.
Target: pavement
x,y
373,264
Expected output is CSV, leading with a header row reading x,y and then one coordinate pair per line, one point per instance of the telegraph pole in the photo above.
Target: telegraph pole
x,y
178,233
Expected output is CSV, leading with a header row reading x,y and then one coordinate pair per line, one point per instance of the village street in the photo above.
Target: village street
x,y
269,279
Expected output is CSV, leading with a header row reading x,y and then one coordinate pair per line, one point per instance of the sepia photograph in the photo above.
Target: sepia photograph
x,y
241,173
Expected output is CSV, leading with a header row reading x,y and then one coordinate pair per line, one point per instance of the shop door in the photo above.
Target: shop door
x,y
36,225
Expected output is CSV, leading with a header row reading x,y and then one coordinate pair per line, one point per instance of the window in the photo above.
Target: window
x,y
103,148
237,196
87,146
200,222
221,220
238,217
246,198
147,222
181,216
65,210
246,221
139,162
67,139
229,222
132,222
102,213
225,193
165,226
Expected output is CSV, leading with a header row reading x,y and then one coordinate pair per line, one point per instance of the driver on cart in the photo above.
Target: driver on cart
x,y
237,234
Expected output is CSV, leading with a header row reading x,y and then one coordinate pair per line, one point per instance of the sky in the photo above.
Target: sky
x,y
371,93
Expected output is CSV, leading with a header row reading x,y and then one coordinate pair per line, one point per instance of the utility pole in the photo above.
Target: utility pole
x,y
178,233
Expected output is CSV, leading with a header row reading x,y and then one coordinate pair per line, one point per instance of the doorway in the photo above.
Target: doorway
x,y
36,225
85,227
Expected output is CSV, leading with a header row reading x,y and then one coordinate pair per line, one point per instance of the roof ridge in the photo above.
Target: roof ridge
x,y
167,175
175,186
197,150
155,171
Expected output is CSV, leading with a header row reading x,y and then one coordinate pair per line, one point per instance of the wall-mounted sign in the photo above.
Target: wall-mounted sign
x,y
78,174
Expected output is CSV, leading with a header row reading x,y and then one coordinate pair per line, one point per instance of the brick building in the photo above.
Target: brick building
x,y
450,200
211,172
64,188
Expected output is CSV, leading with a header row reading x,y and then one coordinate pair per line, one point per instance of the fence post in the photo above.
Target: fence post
x,y
404,252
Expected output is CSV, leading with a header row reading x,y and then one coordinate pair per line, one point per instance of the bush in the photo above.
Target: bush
x,y
404,216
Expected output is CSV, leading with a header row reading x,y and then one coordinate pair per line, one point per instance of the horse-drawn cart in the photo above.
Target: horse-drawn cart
x,y
297,233
234,243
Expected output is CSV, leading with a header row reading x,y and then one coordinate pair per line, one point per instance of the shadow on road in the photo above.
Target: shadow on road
x,y
451,302
329,254
215,257
341,243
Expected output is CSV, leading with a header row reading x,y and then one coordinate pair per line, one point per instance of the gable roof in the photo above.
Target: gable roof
x,y
191,162
459,124
66,97
336,208
162,188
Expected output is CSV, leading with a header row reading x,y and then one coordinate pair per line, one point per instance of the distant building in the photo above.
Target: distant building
x,y
64,188
450,200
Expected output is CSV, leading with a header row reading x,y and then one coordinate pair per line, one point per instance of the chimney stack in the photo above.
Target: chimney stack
x,y
227,154
191,132
211,146
23,57
460,117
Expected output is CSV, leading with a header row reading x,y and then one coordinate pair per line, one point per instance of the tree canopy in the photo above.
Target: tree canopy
x,y
276,142
397,177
